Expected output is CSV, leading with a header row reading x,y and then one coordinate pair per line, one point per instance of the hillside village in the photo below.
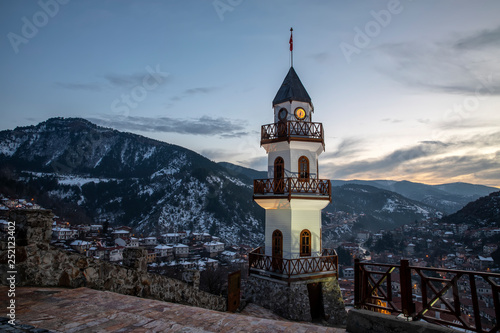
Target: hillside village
x,y
426,243
176,252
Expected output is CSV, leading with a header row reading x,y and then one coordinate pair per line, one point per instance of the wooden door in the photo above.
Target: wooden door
x,y
277,257
279,175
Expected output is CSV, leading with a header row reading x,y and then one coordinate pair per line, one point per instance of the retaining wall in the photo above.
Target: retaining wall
x,y
40,264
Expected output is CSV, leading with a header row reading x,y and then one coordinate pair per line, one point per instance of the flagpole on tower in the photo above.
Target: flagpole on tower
x,y
291,47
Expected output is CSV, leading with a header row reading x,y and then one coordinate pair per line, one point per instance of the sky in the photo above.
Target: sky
x,y
406,90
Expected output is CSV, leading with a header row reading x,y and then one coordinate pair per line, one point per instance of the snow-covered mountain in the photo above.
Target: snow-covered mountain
x,y
379,209
447,198
89,173
484,212
129,179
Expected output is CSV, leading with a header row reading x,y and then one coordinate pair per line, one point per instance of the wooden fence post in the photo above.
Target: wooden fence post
x,y
357,283
406,288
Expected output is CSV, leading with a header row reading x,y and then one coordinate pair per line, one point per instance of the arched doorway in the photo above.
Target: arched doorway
x,y
277,254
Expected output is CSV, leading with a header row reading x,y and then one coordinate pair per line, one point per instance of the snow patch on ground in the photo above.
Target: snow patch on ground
x,y
9,147
390,205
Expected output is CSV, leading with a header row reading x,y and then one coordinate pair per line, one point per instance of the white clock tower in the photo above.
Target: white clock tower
x,y
292,274
293,195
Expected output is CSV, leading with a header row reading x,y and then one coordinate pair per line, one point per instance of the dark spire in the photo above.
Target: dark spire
x,y
292,90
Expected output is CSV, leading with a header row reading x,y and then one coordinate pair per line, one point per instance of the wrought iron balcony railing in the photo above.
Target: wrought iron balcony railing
x,y
291,186
292,130
289,269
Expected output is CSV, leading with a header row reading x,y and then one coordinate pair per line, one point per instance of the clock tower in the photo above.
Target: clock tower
x,y
292,274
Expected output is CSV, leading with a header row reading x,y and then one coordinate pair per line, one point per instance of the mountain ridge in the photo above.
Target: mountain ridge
x,y
153,186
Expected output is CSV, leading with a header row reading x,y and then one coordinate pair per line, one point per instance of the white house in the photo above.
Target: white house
x,y
133,242
150,241
115,254
80,245
61,233
172,238
213,247
163,251
181,250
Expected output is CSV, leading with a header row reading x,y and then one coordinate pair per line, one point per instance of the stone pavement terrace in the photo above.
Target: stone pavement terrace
x,y
88,310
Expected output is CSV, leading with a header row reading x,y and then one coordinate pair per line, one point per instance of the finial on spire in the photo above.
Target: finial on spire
x,y
291,47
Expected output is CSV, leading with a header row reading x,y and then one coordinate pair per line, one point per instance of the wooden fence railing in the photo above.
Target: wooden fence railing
x,y
291,186
455,291
289,268
292,130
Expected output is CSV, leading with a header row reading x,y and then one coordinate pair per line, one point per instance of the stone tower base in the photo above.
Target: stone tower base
x,y
317,299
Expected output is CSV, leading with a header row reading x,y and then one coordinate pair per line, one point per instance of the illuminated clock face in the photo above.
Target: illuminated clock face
x,y
300,113
282,114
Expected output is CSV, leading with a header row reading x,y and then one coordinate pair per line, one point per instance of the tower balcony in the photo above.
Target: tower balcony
x,y
292,131
304,268
290,187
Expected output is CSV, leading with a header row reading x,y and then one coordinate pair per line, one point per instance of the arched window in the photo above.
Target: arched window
x,y
277,244
303,168
305,243
279,175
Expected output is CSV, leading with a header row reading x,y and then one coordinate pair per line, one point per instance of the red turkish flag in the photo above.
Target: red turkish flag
x,y
291,41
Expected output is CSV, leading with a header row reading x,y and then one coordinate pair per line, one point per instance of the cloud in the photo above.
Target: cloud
x,y
392,120
347,147
257,163
321,57
482,39
120,81
204,125
199,90
95,86
193,92
436,161
460,65
124,80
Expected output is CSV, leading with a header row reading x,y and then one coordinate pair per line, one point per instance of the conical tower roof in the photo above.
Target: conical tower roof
x,y
292,90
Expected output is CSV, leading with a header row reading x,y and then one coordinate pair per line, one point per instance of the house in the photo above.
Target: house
x,y
213,247
95,227
410,249
132,242
363,236
115,253
489,248
80,245
124,234
164,251
228,255
485,262
172,238
181,251
196,236
351,247
208,263
151,257
60,233
150,241
348,272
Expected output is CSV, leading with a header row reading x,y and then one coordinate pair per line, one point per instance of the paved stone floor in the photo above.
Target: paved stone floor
x,y
87,310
